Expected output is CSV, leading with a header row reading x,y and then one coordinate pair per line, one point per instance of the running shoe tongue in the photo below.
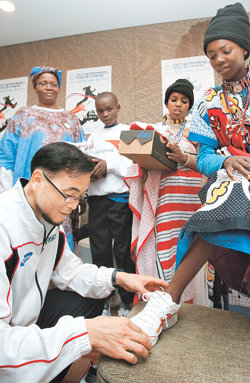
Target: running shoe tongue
x,y
155,306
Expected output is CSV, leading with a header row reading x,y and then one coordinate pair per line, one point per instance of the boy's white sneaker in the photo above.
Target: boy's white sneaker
x,y
159,314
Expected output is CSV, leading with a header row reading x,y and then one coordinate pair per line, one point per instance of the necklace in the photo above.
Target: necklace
x,y
238,85
236,125
177,122
179,134
173,126
172,121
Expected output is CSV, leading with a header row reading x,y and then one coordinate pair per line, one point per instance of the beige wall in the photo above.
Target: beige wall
x,y
135,55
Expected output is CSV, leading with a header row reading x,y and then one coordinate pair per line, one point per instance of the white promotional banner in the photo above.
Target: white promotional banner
x,y
82,87
13,95
195,69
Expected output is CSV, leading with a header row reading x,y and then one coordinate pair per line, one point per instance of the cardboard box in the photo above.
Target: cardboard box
x,y
147,148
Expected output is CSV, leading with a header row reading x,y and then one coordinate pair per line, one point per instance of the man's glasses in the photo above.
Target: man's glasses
x,y
67,198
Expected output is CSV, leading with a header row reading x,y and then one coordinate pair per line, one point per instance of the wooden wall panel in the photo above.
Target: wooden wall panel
x,y
113,48
153,44
135,55
17,60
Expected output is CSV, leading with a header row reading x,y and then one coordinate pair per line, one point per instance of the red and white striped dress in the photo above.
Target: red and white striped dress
x,y
177,201
161,206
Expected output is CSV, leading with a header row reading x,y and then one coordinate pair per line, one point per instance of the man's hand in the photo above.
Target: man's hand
x,y
99,171
240,163
118,338
139,283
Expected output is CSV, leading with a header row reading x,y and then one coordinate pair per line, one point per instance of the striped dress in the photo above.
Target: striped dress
x,y
162,201
177,200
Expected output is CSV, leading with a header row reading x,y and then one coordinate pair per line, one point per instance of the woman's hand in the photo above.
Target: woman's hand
x,y
240,163
176,153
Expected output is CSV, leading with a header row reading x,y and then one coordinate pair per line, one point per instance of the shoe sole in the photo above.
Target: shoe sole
x,y
171,321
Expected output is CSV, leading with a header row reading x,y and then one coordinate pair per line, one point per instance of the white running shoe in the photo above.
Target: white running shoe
x,y
159,314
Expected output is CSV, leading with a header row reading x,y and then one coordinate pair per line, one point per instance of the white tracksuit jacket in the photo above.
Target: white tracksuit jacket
x,y
31,255
104,143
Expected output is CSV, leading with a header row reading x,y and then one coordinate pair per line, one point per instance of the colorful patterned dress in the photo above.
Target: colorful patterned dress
x,y
221,124
27,131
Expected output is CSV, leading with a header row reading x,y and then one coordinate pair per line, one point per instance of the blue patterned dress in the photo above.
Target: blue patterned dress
x,y
27,131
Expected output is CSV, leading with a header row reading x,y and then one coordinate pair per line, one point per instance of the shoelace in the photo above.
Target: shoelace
x,y
147,296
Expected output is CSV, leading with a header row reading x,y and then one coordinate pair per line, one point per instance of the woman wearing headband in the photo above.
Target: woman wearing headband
x,y
35,126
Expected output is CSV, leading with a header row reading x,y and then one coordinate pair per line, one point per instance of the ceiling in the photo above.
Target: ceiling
x,y
45,19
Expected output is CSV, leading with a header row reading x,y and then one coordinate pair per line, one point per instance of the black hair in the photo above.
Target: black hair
x,y
105,94
58,156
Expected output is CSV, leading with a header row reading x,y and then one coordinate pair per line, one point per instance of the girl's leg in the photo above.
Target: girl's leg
x,y
197,255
